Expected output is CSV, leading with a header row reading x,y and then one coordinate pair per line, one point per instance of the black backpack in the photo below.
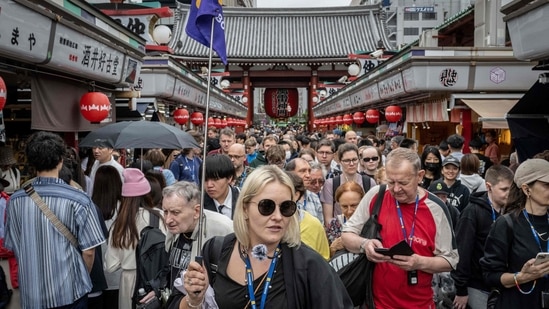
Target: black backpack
x,y
337,183
151,259
5,293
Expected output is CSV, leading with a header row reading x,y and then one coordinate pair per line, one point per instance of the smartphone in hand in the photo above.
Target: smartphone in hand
x,y
541,258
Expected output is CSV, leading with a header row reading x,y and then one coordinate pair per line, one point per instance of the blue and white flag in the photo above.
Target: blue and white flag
x,y
199,25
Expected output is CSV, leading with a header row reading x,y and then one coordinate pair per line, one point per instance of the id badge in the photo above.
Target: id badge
x,y
412,277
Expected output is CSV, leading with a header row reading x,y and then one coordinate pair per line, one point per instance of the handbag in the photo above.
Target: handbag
x,y
354,269
29,189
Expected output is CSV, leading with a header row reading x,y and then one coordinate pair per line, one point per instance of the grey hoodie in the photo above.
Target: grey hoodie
x,y
474,182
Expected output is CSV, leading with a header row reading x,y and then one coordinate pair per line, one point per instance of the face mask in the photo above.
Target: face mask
x,y
432,166
288,155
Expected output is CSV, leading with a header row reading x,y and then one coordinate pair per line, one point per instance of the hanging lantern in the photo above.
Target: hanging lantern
x,y
332,120
211,122
347,119
224,123
393,113
217,123
3,93
230,122
181,116
339,120
95,106
197,118
359,118
281,103
372,116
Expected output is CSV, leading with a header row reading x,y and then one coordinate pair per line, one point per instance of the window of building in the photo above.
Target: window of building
x,y
411,16
429,16
411,31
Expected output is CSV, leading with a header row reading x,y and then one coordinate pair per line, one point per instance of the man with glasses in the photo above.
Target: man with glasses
x,y
408,214
237,154
325,150
311,202
316,180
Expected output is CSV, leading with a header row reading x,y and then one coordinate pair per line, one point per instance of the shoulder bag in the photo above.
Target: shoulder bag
x,y
29,189
354,269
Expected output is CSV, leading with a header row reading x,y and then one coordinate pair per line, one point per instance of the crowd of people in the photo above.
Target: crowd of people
x,y
276,207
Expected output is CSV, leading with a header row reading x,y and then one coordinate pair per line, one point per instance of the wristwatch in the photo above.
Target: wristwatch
x,y
362,244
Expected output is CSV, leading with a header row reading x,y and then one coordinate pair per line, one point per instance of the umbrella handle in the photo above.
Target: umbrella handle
x,y
199,260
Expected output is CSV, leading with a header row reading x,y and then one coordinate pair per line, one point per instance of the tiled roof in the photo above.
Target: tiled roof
x,y
289,34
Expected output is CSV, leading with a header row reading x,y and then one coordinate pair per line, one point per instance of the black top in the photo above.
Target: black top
x,y
471,231
501,257
180,257
236,296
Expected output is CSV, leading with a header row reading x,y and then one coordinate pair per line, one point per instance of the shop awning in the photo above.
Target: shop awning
x,y
492,112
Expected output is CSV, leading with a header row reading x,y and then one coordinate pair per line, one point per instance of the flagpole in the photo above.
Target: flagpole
x,y
198,258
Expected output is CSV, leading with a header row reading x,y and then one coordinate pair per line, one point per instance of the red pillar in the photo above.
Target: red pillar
x,y
467,129
311,94
250,98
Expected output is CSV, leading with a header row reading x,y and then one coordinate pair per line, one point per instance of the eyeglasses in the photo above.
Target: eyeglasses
x,y
325,153
370,159
266,207
317,182
349,161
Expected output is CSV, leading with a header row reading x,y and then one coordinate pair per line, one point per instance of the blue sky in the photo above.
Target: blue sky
x,y
301,3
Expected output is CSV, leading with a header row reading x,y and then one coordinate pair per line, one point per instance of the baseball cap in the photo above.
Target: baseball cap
x,y
455,141
439,187
103,143
532,170
450,160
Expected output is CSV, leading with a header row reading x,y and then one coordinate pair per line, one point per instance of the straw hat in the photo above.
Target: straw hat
x,y
6,156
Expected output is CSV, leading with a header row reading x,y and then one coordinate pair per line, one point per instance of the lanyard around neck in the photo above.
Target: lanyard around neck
x,y
410,238
534,232
493,210
250,281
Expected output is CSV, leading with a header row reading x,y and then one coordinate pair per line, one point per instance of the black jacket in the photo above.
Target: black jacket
x,y
310,282
471,231
210,205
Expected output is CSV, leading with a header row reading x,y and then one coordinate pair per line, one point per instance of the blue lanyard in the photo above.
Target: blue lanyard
x,y
493,211
305,202
250,277
242,178
410,239
534,232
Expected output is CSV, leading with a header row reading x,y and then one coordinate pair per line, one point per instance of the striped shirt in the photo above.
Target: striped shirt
x,y
52,272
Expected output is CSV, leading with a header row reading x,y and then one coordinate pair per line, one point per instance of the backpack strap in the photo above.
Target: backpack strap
x,y
335,184
366,183
153,219
212,255
509,221
379,200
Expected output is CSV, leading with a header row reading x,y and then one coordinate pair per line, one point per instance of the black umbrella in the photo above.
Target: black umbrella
x,y
141,134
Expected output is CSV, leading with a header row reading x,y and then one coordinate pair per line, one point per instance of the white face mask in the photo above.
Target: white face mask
x,y
288,155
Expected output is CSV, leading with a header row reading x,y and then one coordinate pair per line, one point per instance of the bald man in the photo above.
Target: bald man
x,y
351,137
237,154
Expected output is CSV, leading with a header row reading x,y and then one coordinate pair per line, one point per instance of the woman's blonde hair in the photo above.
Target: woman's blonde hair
x,y
255,183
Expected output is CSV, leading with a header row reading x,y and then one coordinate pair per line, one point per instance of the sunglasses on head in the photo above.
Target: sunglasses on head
x,y
266,207
370,159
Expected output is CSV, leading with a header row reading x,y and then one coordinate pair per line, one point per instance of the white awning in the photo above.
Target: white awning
x,y
492,112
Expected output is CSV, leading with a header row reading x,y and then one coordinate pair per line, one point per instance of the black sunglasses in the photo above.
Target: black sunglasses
x,y
266,207
370,159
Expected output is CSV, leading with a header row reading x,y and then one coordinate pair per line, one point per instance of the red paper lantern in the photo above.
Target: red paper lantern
x,y
181,116
217,123
224,123
197,118
95,106
211,122
348,119
3,93
281,103
230,122
339,120
359,118
372,116
332,120
393,113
